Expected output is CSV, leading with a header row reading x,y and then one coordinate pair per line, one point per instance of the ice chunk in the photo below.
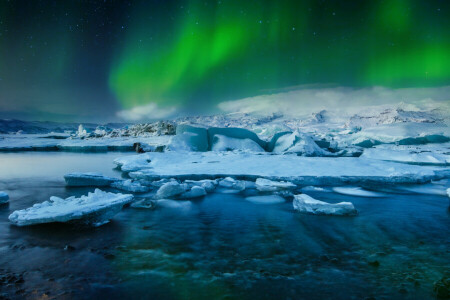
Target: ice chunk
x,y
195,192
231,183
357,191
300,144
266,185
185,142
306,204
171,189
133,162
224,143
4,197
94,209
130,186
207,184
269,199
88,179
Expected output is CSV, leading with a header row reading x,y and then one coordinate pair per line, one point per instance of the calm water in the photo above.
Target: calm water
x,y
222,247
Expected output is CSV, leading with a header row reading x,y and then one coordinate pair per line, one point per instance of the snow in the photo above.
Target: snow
x,y
4,197
296,169
94,209
224,143
357,191
266,185
130,186
269,199
88,179
171,189
440,155
306,204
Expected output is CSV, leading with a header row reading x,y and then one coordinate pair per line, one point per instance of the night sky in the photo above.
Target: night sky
x,y
90,60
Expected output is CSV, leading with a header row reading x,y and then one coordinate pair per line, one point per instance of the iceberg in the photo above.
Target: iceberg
x,y
95,209
4,197
300,144
88,179
357,191
198,139
224,143
306,204
234,133
266,185
269,199
130,186
171,189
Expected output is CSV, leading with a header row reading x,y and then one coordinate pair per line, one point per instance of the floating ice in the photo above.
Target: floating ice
x,y
94,209
171,189
207,184
88,179
357,191
269,199
232,184
195,192
167,203
130,186
266,185
306,204
407,154
292,168
144,203
4,197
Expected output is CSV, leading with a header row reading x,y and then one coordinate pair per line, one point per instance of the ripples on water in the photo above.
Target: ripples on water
x,y
226,247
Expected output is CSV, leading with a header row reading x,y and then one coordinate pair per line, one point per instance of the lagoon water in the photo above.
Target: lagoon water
x,y
221,247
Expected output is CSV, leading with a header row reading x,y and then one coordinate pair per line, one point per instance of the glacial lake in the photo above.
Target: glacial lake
x,y
220,247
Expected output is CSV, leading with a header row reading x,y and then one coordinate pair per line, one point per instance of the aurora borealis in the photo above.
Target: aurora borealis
x,y
90,59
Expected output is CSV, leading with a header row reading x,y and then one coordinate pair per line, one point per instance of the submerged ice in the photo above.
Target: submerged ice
x,y
306,204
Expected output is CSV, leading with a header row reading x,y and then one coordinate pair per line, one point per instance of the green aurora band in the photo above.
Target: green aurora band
x,y
236,49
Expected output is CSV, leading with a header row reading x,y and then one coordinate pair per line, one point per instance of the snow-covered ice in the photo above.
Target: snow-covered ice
x,y
301,144
88,179
207,184
357,191
296,169
268,199
266,185
94,209
306,204
440,155
4,197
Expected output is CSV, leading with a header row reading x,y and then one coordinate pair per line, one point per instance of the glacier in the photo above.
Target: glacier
x,y
95,209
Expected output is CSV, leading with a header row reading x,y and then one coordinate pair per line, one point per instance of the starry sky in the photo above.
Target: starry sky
x,y
114,60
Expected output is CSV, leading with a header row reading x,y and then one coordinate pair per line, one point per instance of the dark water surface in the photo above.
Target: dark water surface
x,y
221,247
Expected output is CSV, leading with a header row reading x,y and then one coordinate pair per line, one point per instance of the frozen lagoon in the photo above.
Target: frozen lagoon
x,y
221,246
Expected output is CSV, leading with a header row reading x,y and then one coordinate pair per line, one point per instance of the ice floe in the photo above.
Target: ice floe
x,y
296,169
95,209
4,197
266,185
207,184
88,179
409,154
357,191
306,204
267,199
194,192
